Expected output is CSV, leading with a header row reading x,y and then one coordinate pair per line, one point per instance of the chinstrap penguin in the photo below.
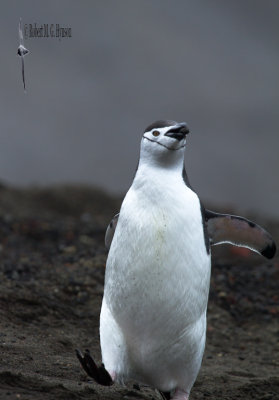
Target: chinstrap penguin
x,y
153,316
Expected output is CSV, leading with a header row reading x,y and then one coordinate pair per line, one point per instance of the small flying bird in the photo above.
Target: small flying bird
x,y
21,51
153,316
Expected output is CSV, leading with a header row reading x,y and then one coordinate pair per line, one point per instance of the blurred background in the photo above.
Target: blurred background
x,y
212,64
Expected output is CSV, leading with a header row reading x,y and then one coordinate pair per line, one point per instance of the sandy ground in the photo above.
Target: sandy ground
x,y
51,284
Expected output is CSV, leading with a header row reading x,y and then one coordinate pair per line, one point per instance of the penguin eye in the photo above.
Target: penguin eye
x,y
155,133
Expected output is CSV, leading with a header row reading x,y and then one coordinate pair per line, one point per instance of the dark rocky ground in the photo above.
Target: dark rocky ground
x,y
51,283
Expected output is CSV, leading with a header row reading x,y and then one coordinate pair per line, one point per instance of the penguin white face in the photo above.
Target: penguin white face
x,y
165,136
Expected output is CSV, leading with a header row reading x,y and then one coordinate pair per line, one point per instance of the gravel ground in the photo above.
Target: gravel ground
x,y
51,283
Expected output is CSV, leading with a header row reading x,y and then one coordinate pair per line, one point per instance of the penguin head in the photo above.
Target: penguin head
x,y
168,134
164,138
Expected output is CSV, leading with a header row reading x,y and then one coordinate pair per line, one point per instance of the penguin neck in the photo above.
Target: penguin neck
x,y
165,167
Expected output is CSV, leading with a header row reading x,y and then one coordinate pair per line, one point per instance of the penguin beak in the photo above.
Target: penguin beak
x,y
178,131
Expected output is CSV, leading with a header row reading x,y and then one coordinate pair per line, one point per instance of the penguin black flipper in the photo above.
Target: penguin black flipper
x,y
239,231
110,231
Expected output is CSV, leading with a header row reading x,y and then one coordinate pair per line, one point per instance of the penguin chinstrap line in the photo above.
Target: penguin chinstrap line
x,y
153,316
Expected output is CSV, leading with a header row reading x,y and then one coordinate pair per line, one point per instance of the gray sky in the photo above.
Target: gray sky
x,y
213,64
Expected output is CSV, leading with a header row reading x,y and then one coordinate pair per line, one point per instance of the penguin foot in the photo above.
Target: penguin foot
x,y
180,395
99,374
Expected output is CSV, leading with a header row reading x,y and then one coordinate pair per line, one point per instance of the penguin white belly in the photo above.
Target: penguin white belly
x,y
153,318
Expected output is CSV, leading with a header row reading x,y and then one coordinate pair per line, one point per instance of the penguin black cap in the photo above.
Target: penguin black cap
x,y
165,123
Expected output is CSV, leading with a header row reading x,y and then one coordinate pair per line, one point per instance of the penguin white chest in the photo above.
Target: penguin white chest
x,y
157,280
158,253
